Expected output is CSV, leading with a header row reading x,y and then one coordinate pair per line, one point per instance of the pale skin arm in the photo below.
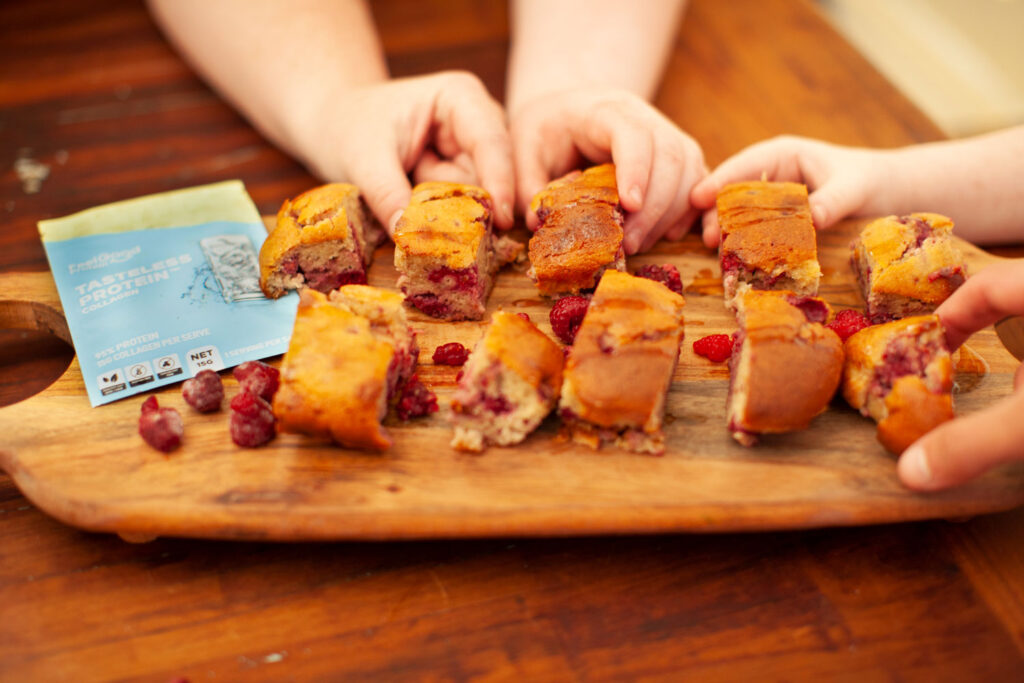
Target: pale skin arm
x,y
311,76
975,181
580,75
570,44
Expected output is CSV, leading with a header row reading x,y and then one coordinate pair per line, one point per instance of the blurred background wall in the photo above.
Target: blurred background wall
x,y
960,61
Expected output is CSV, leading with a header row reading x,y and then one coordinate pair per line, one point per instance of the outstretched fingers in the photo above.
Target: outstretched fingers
x,y
987,297
470,121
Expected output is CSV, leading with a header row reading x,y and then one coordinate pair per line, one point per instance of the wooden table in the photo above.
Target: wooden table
x,y
92,90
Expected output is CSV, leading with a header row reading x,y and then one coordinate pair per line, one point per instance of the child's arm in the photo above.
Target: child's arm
x,y
974,181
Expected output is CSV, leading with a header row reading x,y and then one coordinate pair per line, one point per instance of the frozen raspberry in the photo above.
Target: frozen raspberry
x,y
416,400
204,392
715,347
258,378
847,322
149,405
161,428
252,420
452,353
567,316
667,275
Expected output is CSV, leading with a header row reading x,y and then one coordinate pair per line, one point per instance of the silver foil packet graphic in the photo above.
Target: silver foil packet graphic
x,y
234,264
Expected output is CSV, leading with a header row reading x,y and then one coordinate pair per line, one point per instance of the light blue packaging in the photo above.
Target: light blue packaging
x,y
157,288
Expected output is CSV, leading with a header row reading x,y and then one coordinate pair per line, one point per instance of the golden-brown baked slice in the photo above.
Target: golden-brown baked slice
x,y
348,356
445,252
900,374
580,233
384,311
785,366
323,239
907,265
620,366
768,239
508,386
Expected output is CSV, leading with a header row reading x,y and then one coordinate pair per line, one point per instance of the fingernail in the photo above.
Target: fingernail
x,y
914,468
506,210
393,221
636,196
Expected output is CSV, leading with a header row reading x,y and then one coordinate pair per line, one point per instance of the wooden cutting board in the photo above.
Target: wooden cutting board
x,y
89,468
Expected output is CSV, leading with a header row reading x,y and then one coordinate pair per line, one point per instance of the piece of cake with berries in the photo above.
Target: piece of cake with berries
x,y
384,311
785,364
350,356
768,239
323,239
508,386
446,253
580,232
907,265
900,374
620,366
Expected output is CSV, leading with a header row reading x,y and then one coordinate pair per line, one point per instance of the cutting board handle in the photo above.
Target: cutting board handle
x,y
29,301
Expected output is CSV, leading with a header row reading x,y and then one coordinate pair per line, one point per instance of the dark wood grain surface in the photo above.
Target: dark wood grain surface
x,y
92,89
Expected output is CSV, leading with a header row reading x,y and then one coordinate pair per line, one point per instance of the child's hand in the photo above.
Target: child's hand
x,y
443,126
964,448
842,181
656,164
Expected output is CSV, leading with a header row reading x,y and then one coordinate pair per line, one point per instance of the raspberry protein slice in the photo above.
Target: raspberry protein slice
x,y
715,347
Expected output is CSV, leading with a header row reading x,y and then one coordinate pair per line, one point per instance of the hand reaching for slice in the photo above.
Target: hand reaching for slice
x,y
842,181
964,448
444,126
656,163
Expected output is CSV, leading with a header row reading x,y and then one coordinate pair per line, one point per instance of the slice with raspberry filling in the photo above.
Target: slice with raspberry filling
x,y
768,239
907,265
323,239
785,365
580,233
620,366
351,356
900,374
508,386
445,252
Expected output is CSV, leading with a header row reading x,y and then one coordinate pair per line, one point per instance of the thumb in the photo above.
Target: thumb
x,y
531,178
386,189
705,192
962,449
834,201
